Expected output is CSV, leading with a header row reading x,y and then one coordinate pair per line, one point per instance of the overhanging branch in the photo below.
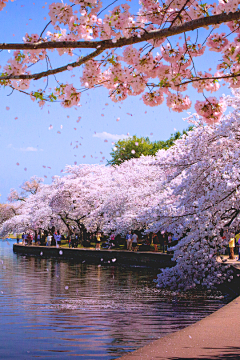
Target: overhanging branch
x,y
102,45
109,44
53,71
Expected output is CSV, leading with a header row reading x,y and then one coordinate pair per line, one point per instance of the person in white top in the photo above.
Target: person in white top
x,y
134,242
49,240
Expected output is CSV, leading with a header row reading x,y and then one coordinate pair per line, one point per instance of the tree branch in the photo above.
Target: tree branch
x,y
102,45
53,71
109,44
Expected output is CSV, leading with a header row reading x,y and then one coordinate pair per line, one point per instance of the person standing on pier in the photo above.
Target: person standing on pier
x,y
134,241
231,246
129,241
49,240
58,239
98,238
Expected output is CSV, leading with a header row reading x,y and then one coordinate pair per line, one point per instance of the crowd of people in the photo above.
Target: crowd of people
x,y
134,240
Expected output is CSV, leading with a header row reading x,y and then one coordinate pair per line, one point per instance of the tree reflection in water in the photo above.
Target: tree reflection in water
x,y
57,309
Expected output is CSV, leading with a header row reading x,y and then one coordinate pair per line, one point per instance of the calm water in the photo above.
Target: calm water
x,y
58,309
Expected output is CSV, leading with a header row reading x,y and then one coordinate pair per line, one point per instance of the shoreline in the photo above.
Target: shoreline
x,y
91,256
214,337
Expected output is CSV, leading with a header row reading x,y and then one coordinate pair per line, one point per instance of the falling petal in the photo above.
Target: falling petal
x,y
59,132
105,140
7,108
117,119
17,164
25,169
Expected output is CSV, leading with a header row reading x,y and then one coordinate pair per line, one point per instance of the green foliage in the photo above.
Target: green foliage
x,y
134,147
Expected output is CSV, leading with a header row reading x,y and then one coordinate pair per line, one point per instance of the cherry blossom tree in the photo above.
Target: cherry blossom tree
x,y
131,53
190,190
7,211
200,201
31,186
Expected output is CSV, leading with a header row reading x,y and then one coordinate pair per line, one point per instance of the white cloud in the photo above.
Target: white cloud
x,y
29,148
106,135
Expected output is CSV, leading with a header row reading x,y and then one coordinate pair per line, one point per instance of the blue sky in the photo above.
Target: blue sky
x,y
25,137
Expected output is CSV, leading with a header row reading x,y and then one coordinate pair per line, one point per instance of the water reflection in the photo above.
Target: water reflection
x,y
59,309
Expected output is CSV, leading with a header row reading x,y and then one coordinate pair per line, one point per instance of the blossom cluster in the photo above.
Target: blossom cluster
x,y
159,70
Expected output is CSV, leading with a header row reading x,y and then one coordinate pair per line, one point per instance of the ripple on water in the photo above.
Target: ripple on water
x,y
59,309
